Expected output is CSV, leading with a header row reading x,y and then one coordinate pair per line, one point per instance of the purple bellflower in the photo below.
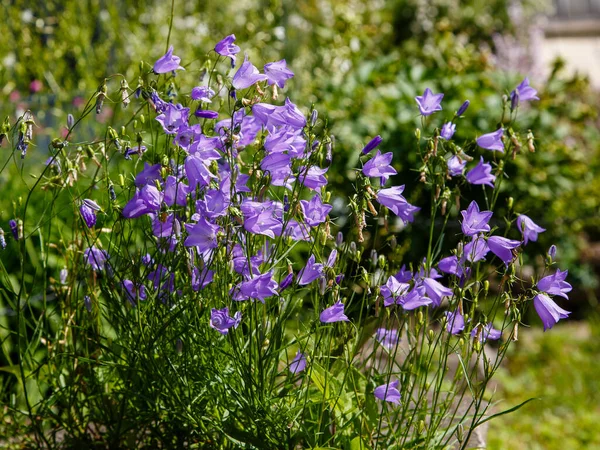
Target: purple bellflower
x,y
298,364
278,73
315,211
552,252
492,141
226,47
310,272
134,292
549,312
96,258
387,338
388,392
173,118
528,228
522,93
392,290
314,178
503,248
448,130
202,235
481,174
144,201
436,291
455,322
373,143
263,218
88,211
392,199
334,313
456,166
429,102
379,166
168,62
222,322
476,250
259,287
203,93
475,221
463,108
485,332
555,284
246,76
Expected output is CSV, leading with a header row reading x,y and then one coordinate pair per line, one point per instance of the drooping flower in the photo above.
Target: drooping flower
x,y
481,174
485,332
373,143
298,364
555,284
475,221
415,298
456,166
448,130
148,175
334,313
549,312
455,322
315,211
168,62
436,291
388,392
226,47
310,272
392,199
222,322
429,102
492,141
522,93
528,228
475,250
278,73
379,166
96,258
387,338
503,247
88,211
203,93
246,76
144,201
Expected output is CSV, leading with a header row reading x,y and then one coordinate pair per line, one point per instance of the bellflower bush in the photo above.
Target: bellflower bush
x,y
206,297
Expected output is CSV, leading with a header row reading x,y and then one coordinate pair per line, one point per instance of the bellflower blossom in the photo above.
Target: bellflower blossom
x,y
523,92
475,221
476,250
429,102
298,364
448,130
550,313
95,258
334,313
167,63
485,332
315,211
456,166
481,174
388,392
202,235
392,290
455,322
310,272
278,73
134,292
146,200
387,338
392,199
528,228
492,141
226,47
88,211
379,166
463,108
314,178
555,284
203,93
503,248
246,76
222,322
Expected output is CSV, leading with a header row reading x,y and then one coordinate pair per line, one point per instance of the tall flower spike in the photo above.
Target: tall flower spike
x,y
429,102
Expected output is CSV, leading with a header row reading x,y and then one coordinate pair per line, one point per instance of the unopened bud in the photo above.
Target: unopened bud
x,y
373,143
313,117
510,202
463,108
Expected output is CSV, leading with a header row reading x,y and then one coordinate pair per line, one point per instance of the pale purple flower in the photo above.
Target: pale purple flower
x,y
475,250
263,218
197,172
429,102
310,272
201,278
258,287
387,338
503,248
202,235
144,201
173,117
334,313
134,292
168,62
246,76
492,141
226,47
314,178
298,364
373,143
523,92
481,174
96,258
475,221
415,298
549,312
379,166
277,73
203,93
436,291
148,174
528,228
448,130
222,322
456,166
555,284
552,252
455,322
392,290
388,392
485,332
392,199
315,211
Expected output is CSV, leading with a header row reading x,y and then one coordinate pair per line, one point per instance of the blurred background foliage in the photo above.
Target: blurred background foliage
x,y
361,64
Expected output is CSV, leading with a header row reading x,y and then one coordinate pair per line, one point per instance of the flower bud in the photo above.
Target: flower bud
x,y
373,143
463,108
339,240
70,121
552,252
313,117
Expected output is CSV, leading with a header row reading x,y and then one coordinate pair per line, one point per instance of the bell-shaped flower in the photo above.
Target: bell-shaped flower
x,y
388,392
485,332
476,250
429,102
298,364
313,178
226,47
474,221
492,141
278,73
95,258
549,312
448,130
173,118
334,313
246,76
387,338
528,228
392,290
373,143
379,166
203,94
503,248
481,174
258,287
144,201
222,322
392,199
202,235
555,284
522,93
456,166
167,63
455,322
310,272
315,211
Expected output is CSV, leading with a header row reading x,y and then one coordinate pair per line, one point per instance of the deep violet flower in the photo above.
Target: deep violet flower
x,y
429,102
388,392
315,211
278,73
463,108
226,47
387,338
222,322
503,248
392,199
481,174
148,175
96,258
168,62
246,76
206,114
555,284
298,364
455,322
88,211
475,221
492,141
549,312
373,143
334,313
379,166
528,228
448,130
456,166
